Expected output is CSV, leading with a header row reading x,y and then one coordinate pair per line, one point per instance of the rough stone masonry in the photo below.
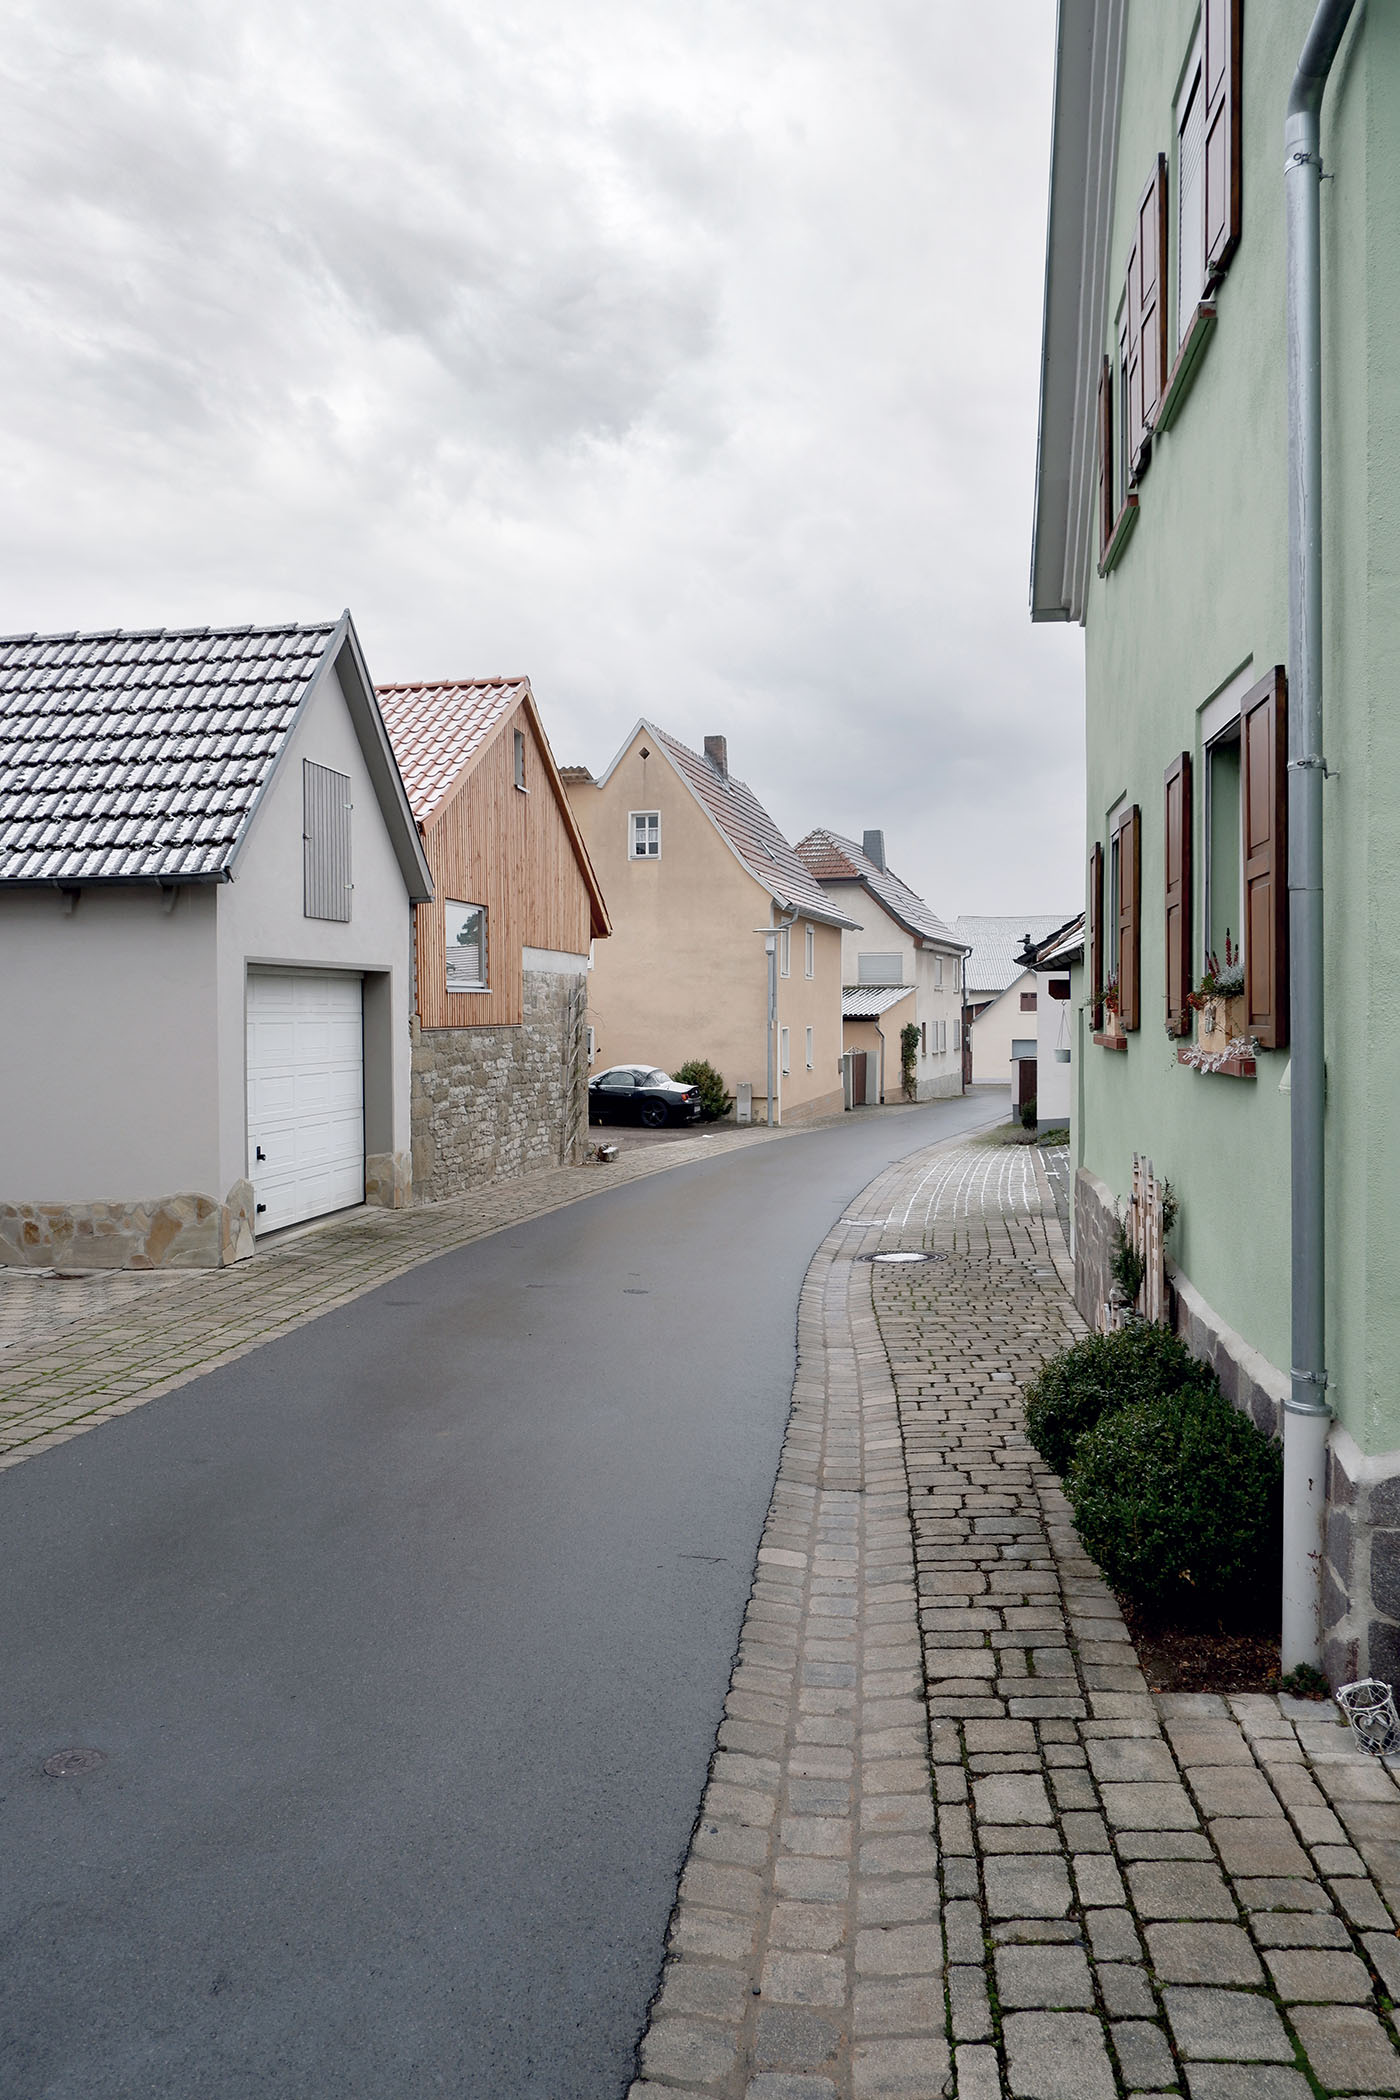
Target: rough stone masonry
x,y
951,1843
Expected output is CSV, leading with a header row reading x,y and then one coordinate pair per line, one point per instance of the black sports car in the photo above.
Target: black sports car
x,y
641,1094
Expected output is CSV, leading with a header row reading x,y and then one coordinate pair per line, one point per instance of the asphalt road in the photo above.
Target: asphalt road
x,y
405,1639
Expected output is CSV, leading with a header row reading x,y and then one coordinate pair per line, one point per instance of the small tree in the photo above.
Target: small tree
x,y
1028,1114
908,1055
715,1099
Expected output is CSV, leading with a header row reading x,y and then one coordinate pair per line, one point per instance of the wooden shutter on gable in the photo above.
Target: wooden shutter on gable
x,y
1220,82
1264,833
1176,857
1150,317
1096,936
1130,919
1106,519
1130,364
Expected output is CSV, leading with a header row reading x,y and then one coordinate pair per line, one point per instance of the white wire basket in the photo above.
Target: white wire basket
x,y
1369,1707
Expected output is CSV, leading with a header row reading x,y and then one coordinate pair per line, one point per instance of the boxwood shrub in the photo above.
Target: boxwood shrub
x,y
1179,1501
1102,1373
715,1098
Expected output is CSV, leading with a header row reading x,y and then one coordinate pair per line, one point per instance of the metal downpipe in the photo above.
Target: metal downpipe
x,y
1306,1412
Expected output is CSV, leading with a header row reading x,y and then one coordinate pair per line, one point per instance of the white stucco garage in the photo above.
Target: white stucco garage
x,y
206,856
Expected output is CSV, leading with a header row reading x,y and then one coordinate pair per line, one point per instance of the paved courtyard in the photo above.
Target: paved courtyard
x,y
951,1843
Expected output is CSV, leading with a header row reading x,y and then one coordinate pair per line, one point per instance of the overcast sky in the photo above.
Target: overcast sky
x,y
681,354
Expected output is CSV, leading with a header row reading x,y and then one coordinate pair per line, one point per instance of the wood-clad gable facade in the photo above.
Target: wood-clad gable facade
x,y
517,852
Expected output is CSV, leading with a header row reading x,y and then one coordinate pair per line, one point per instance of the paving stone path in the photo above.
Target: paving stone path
x,y
74,1352
951,1843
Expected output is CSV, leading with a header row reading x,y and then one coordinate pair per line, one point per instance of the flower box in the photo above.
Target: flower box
x,y
1220,1020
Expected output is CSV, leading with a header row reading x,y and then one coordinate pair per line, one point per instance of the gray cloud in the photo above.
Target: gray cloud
x,y
681,356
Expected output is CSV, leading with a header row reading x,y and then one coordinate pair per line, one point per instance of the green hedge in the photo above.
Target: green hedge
x,y
1178,1499
1099,1375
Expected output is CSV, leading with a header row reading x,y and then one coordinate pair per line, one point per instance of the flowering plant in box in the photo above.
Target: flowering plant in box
x,y
1219,980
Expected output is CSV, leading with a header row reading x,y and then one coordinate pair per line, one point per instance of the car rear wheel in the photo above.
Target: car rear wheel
x,y
654,1114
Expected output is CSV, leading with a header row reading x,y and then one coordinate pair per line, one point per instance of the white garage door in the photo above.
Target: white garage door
x,y
306,1093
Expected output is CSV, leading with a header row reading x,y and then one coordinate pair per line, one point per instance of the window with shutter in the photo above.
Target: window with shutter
x,y
1190,206
1129,916
1221,69
1176,855
1096,936
325,831
1107,505
1264,823
1150,314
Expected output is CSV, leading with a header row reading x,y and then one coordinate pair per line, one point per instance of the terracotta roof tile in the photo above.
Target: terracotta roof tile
x,y
832,858
435,729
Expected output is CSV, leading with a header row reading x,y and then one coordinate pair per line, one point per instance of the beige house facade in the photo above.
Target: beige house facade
x,y
697,876
900,966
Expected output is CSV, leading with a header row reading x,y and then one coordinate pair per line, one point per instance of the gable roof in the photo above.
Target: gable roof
x,y
435,729
995,946
1060,948
832,858
440,734
745,826
143,757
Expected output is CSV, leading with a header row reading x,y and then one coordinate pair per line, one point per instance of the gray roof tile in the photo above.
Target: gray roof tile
x,y
132,757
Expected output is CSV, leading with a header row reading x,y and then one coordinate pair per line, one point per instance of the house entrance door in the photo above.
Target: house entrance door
x,y
858,1058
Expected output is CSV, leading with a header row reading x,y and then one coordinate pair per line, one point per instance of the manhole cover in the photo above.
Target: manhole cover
x,y
901,1254
71,1764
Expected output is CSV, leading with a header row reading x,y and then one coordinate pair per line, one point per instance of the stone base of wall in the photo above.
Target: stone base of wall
x,y
489,1103
389,1179
184,1231
1361,1570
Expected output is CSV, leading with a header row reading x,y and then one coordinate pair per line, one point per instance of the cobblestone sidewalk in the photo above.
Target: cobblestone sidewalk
x,y
951,1844
76,1352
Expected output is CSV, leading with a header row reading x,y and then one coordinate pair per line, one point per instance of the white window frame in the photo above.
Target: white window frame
x,y
811,1051
811,961
785,1049
591,1040
651,838
450,940
785,951
938,973
957,1035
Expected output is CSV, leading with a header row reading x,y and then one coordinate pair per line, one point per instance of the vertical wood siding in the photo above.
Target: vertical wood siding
x,y
492,845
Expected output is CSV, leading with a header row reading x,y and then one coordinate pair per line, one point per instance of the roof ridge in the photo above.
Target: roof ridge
x,y
443,685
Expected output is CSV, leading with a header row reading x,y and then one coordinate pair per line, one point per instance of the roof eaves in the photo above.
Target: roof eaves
x,y
383,767
1088,91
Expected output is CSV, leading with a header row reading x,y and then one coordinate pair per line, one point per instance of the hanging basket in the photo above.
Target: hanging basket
x,y
1062,1057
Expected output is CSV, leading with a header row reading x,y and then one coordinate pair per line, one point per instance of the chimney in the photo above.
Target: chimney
x,y
717,752
872,845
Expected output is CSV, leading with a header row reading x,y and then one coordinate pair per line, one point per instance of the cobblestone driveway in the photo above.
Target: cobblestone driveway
x,y
951,1844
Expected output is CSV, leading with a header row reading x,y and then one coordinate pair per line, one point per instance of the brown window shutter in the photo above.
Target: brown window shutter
x,y
1130,354
1264,825
1130,919
1221,69
1151,321
1096,936
1106,519
1176,855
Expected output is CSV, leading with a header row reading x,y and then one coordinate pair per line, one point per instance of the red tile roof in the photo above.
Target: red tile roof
x,y
435,729
832,858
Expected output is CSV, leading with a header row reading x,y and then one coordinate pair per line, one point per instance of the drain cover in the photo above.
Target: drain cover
x,y
71,1764
901,1254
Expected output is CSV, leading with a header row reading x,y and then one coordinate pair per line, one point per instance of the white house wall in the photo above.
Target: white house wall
x,y
1053,1080
993,1030
261,921
881,935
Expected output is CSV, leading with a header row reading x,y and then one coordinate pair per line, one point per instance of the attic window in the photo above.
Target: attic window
x,y
520,760
644,834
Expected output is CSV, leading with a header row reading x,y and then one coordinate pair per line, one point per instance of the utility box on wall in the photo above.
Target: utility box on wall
x,y
743,1102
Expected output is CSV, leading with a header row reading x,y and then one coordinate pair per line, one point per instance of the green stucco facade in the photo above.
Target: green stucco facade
x,y
1199,594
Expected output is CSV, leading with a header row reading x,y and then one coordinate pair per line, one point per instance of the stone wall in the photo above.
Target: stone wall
x,y
489,1103
1361,1566
183,1231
